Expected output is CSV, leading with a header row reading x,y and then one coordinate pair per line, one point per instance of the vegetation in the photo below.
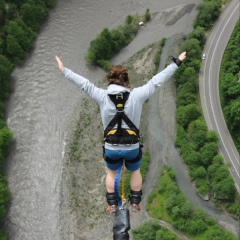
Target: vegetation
x,y
168,203
19,22
198,146
151,230
108,43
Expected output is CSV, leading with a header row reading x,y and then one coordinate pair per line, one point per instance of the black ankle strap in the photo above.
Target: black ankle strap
x,y
135,197
111,199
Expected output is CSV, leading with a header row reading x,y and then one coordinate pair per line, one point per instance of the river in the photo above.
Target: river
x,y
43,105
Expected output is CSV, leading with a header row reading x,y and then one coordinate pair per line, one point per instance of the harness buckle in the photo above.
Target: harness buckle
x,y
119,96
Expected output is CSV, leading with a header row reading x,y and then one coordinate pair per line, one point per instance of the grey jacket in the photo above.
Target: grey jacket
x,y
133,107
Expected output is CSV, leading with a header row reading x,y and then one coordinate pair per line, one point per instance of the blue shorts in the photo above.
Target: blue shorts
x,y
120,155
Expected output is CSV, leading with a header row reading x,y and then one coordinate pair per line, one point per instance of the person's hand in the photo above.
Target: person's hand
x,y
60,63
182,56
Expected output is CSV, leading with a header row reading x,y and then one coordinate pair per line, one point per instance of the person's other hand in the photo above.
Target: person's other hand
x,y
60,63
182,56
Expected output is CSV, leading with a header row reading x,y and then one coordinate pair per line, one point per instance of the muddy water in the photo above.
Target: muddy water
x,y
43,104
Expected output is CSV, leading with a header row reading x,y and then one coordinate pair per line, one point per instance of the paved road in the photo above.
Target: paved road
x,y
209,85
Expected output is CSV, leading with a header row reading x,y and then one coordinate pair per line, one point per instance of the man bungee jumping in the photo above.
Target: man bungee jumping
x,y
120,108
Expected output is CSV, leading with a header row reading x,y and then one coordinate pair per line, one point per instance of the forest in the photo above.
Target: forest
x,y
20,21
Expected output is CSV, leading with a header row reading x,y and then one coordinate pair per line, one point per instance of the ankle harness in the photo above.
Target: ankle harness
x,y
135,197
111,199
121,135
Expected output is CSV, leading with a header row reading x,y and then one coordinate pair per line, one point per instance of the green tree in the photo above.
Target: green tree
x,y
3,236
49,3
186,93
197,125
165,235
184,99
203,185
129,31
4,196
192,46
5,77
187,114
193,159
194,51
2,46
229,87
17,2
218,159
197,132
225,189
146,231
147,15
6,137
14,50
118,40
199,172
233,113
12,11
212,136
222,182
23,35
199,33
2,114
186,149
100,48
198,138
188,75
217,233
2,11
129,20
197,226
220,174
208,151
33,13
208,13
181,136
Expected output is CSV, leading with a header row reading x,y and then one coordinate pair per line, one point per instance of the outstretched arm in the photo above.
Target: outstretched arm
x,y
83,83
145,91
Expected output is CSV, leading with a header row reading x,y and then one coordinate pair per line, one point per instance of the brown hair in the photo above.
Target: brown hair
x,y
118,75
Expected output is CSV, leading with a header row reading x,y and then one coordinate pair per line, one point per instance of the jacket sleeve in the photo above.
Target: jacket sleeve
x,y
84,84
145,91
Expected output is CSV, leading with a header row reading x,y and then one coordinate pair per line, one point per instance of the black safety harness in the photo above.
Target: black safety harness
x,y
119,135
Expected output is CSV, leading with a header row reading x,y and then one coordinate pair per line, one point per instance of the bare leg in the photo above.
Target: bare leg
x,y
110,179
136,180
